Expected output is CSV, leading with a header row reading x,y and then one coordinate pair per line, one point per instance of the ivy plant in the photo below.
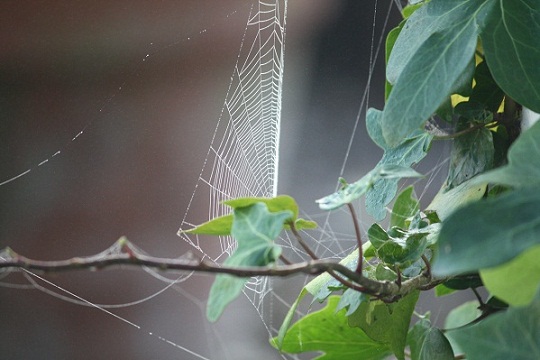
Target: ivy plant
x,y
469,67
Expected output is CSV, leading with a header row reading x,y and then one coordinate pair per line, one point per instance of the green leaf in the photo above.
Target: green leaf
x,y
428,343
489,232
404,250
222,225
406,154
516,281
513,334
431,54
486,91
447,201
405,207
351,300
472,154
277,342
328,332
523,169
387,323
255,229
462,315
511,41
350,192
219,226
275,204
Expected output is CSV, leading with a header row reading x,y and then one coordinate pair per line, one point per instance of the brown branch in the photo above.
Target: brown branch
x,y
301,241
358,239
123,253
462,132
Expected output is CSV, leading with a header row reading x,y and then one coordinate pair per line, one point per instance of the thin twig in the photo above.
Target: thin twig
x,y
124,253
462,132
427,273
301,241
358,239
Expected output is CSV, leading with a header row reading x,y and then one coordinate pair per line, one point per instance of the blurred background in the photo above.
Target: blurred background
x,y
68,67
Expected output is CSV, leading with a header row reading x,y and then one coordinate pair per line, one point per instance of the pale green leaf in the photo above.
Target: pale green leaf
x,y
387,323
511,41
516,281
328,332
513,334
489,233
255,229
350,192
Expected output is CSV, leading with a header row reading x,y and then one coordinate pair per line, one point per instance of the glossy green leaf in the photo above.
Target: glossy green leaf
x,y
516,281
428,343
350,192
431,54
511,41
523,169
513,334
255,229
408,153
489,233
328,332
387,323
471,155
405,207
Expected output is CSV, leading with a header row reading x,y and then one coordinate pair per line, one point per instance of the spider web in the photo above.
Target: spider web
x,y
243,160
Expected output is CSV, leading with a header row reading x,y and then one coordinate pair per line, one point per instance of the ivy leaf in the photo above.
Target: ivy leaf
x,y
447,201
489,232
428,343
328,332
405,207
513,334
255,229
472,154
430,55
221,226
386,323
351,300
516,281
523,169
399,247
351,192
406,154
511,42
486,91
